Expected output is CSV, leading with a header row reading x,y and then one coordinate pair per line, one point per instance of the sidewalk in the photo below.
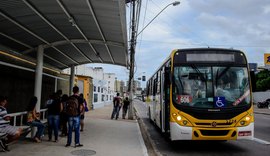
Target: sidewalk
x,y
101,136
265,111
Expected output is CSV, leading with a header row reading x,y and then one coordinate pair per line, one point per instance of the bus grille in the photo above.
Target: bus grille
x,y
214,132
210,124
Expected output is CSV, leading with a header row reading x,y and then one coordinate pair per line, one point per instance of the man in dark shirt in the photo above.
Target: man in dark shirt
x,y
116,106
125,107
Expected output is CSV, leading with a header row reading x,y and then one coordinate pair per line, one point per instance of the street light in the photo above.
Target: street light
x,y
132,53
173,3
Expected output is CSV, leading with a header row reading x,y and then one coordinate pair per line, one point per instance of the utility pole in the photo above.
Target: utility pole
x,y
132,55
134,35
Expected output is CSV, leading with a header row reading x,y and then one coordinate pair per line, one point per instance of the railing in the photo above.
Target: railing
x,y
21,116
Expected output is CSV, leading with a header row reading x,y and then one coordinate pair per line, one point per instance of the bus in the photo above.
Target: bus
x,y
202,94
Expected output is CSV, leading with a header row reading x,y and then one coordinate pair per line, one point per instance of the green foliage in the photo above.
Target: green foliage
x,y
263,80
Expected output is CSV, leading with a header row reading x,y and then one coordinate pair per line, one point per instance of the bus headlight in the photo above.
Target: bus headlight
x,y
245,121
181,120
242,122
185,122
247,118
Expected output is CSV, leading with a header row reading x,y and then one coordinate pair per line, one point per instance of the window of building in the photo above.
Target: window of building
x,y
95,88
102,99
95,97
98,89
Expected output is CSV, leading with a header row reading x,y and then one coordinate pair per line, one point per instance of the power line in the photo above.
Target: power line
x,y
211,45
189,31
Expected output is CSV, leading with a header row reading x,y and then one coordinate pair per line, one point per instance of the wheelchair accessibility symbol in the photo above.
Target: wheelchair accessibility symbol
x,y
220,101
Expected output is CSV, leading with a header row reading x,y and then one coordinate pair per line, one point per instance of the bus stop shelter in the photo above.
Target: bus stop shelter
x,y
59,34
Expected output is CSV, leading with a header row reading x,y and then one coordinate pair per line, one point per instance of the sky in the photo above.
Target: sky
x,y
242,25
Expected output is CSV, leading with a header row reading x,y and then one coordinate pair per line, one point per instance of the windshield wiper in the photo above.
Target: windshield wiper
x,y
218,76
199,72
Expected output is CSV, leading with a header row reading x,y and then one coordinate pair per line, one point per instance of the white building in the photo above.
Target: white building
x,y
103,83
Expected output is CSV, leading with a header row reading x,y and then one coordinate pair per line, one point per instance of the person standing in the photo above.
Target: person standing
x,y
82,113
63,115
74,107
54,110
125,107
5,127
33,119
116,106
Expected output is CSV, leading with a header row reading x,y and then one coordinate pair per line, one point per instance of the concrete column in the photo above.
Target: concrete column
x,y
55,85
71,80
38,81
38,76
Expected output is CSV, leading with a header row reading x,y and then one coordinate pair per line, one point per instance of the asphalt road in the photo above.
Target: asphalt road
x,y
164,147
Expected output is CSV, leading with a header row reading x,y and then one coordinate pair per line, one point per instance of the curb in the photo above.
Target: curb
x,y
152,150
261,113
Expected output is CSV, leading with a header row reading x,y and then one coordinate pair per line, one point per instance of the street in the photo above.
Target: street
x,y
241,147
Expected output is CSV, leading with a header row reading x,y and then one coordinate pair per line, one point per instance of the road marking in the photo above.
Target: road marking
x,y
261,141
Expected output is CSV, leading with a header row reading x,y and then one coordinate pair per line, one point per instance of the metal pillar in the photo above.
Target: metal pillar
x,y
71,80
38,76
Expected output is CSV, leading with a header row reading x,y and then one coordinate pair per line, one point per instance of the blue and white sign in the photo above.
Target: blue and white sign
x,y
220,101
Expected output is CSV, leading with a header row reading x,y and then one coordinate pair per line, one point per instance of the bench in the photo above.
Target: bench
x,y
18,120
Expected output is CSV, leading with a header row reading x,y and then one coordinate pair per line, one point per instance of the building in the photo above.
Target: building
x,y
103,83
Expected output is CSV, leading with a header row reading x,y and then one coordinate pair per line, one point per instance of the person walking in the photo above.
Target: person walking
x,y
74,107
54,110
125,107
33,119
116,106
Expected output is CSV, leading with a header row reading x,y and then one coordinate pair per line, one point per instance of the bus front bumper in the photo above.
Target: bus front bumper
x,y
198,133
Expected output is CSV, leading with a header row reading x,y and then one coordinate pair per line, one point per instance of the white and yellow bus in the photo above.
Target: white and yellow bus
x,y
202,94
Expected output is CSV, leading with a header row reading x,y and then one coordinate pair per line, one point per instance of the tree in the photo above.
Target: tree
x,y
263,80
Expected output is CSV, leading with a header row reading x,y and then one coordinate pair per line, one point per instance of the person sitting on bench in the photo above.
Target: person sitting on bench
x,y
13,133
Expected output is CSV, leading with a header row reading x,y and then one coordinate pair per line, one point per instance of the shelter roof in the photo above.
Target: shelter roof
x,y
72,32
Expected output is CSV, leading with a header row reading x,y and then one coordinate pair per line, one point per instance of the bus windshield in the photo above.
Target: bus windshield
x,y
211,86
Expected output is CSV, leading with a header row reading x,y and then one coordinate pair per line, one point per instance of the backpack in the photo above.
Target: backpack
x,y
72,105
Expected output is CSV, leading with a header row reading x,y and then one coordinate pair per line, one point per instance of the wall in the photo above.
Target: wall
x,y
87,89
18,86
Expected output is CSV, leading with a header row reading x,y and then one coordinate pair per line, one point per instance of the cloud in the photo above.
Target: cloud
x,y
242,25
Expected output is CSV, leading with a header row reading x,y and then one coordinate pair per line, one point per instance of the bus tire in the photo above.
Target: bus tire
x,y
149,114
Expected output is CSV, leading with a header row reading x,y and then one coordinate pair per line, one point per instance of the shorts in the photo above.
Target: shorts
x,y
10,130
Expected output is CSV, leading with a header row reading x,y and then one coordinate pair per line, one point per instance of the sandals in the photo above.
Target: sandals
x,y
37,140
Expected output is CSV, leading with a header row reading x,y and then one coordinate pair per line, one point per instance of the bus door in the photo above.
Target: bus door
x,y
162,100
166,98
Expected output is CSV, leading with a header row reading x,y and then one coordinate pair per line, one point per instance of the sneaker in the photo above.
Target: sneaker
x,y
78,145
67,145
